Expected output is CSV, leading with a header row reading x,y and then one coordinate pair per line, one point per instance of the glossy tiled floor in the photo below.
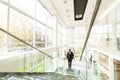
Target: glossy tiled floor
x,y
79,74
36,76
68,71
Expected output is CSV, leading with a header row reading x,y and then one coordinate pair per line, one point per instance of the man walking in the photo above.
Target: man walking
x,y
70,56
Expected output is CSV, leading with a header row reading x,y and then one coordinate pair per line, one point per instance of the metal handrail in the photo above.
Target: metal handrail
x,y
24,42
90,26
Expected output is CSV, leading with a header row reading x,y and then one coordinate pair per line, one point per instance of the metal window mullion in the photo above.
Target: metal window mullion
x,y
34,27
7,28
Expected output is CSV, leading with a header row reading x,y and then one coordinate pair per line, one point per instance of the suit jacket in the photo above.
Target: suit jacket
x,y
70,56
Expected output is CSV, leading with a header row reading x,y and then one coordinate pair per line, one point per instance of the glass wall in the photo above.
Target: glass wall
x,y
3,24
21,26
105,31
30,21
2,49
28,8
104,41
3,16
101,35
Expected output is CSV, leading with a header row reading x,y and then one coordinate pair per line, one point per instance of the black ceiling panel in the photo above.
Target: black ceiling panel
x,y
79,8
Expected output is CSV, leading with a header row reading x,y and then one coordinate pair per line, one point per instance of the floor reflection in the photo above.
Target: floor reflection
x,y
36,76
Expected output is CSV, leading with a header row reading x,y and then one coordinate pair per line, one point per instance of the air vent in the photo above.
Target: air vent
x,y
79,8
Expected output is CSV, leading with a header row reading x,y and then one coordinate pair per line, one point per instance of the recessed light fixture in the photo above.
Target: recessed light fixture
x,y
79,16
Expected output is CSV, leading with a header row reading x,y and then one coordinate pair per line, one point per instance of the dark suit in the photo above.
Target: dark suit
x,y
70,56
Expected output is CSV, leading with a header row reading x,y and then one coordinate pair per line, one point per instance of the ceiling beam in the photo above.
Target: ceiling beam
x,y
90,26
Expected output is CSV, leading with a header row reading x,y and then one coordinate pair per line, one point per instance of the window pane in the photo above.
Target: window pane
x,y
27,6
3,25
1,43
39,38
49,37
3,16
41,13
49,19
20,26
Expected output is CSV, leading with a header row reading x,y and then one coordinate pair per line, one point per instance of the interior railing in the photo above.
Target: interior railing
x,y
24,42
90,26
24,58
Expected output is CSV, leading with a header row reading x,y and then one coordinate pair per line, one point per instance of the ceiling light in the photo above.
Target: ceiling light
x,y
79,16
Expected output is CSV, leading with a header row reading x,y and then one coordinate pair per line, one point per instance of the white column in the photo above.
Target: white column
x,y
54,65
54,30
56,40
33,34
33,66
111,68
98,66
33,28
7,28
56,34
114,37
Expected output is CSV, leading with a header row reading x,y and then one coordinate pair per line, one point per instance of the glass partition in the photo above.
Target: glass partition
x,y
104,46
27,6
23,58
31,22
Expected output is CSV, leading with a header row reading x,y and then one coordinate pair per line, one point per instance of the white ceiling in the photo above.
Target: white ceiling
x,y
65,11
